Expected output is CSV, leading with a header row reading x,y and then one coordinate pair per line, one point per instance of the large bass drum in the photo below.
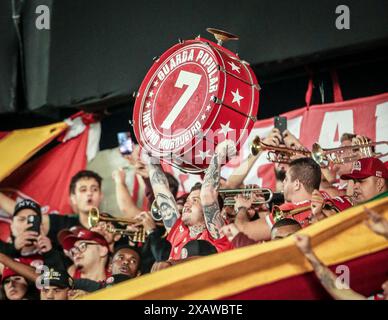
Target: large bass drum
x,y
194,96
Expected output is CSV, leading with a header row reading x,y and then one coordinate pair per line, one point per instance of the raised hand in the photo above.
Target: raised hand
x,y
317,204
230,231
119,176
302,241
146,221
376,222
226,150
26,239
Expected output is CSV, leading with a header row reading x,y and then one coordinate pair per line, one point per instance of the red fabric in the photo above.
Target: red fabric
x,y
77,274
3,134
46,179
179,235
367,274
5,231
340,202
309,92
367,167
242,240
336,87
33,261
302,217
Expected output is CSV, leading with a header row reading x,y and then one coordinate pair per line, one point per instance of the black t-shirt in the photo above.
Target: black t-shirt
x,y
59,222
8,249
156,248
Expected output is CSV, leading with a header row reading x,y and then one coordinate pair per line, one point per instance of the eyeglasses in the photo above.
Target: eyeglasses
x,y
81,248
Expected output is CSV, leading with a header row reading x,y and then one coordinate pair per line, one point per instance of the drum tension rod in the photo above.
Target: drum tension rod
x,y
220,102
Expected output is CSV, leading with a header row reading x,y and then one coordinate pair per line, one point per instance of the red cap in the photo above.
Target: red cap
x,y
367,167
7,272
68,232
83,234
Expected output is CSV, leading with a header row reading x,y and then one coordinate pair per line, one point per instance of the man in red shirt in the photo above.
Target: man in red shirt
x,y
301,193
201,217
90,253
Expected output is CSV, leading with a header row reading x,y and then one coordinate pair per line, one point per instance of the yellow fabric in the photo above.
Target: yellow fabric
x,y
19,145
336,239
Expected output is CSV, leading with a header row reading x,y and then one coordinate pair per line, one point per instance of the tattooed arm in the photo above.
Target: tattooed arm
x,y
209,194
163,196
327,278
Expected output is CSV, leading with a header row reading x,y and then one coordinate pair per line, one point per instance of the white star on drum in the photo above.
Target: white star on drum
x,y
148,104
156,82
225,128
236,97
234,67
208,107
203,117
151,94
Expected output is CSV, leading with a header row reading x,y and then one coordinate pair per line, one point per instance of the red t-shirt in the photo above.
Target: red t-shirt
x,y
302,217
180,234
340,203
77,274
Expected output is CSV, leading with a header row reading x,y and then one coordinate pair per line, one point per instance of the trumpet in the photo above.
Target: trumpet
x,y
340,155
95,217
282,214
276,154
228,195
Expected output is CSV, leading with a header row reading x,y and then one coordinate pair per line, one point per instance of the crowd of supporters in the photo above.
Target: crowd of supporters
x,y
51,256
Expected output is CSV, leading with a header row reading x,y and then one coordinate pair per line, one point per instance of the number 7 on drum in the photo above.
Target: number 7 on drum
x,y
184,78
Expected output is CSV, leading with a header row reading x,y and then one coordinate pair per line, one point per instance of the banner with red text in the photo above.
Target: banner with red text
x,y
319,123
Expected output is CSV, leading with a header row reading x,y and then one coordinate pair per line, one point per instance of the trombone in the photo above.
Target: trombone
x,y
95,217
276,154
340,155
228,195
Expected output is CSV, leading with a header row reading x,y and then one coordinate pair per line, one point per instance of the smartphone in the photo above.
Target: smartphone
x,y
280,123
36,222
125,143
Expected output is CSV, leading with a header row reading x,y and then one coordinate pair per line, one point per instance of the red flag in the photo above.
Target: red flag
x,y
47,178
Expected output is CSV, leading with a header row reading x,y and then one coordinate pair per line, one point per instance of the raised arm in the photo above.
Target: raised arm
x,y
323,273
20,268
209,193
240,173
7,204
123,197
163,196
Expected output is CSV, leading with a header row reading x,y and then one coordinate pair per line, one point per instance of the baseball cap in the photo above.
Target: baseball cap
x,y
83,234
62,234
57,278
27,204
367,167
7,272
197,248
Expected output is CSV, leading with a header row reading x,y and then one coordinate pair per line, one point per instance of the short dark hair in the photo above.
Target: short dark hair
x,y
172,183
88,174
307,171
198,186
286,222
